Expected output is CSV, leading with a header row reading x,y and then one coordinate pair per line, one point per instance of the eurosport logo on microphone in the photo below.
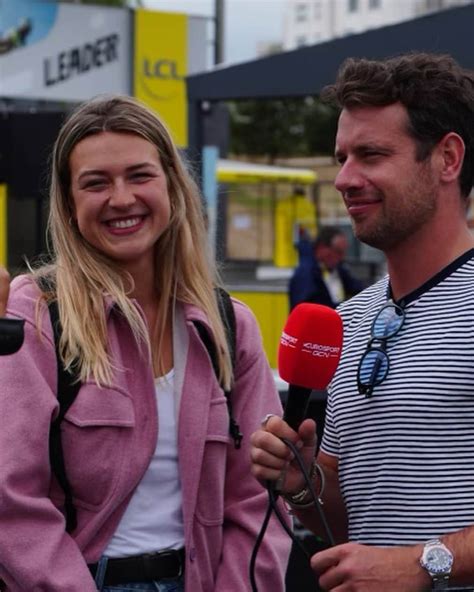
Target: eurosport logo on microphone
x,y
319,350
288,340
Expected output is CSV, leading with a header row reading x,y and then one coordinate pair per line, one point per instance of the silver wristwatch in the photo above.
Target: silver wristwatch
x,y
437,559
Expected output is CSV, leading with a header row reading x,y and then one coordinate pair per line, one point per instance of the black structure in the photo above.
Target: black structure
x,y
26,141
305,71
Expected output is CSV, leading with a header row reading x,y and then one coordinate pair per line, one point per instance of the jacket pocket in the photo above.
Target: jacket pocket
x,y
210,502
94,433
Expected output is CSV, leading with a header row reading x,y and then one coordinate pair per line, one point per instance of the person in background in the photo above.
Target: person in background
x,y
164,498
397,446
321,275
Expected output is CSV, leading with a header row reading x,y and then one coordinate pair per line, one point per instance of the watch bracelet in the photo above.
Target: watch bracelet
x,y
300,500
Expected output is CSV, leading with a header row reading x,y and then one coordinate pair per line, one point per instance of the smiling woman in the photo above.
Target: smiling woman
x,y
120,194
152,491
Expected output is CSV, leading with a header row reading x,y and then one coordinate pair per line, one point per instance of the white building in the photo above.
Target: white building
x,y
313,21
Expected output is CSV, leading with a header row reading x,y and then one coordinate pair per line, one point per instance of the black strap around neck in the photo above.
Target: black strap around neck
x,y
227,313
68,388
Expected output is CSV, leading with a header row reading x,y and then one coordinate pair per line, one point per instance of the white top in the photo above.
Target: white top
x,y
153,519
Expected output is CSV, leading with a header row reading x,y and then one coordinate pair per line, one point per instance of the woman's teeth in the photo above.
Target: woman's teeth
x,y
124,223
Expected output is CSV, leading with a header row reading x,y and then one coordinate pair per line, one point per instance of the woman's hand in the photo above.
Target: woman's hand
x,y
4,290
271,458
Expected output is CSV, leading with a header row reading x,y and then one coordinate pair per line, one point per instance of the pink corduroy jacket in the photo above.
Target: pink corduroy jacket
x,y
109,436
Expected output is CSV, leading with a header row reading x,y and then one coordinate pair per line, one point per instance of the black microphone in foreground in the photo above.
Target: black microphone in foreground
x,y
11,335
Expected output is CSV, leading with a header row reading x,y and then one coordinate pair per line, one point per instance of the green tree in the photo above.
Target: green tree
x,y
257,128
282,127
320,125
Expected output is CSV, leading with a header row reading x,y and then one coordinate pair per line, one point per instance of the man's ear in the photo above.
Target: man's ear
x,y
451,150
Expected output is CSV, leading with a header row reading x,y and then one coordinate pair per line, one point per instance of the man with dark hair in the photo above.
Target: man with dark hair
x,y
400,420
321,275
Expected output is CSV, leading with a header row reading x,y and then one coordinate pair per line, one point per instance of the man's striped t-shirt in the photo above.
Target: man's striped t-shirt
x,y
406,455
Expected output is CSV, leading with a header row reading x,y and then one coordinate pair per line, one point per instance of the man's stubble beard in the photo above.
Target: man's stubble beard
x,y
401,219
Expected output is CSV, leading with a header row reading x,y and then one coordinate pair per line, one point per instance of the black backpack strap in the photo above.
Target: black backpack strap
x,y
67,389
226,310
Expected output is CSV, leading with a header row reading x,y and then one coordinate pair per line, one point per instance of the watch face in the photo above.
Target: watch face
x,y
438,560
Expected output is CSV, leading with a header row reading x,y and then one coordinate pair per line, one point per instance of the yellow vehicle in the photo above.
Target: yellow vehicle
x,y
266,210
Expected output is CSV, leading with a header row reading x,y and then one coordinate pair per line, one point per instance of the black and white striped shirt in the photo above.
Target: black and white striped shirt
x,y
406,455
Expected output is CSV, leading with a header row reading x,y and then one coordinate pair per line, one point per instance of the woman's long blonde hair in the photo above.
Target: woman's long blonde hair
x,y
82,276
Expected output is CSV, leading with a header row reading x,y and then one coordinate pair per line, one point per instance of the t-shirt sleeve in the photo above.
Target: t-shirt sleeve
x,y
330,443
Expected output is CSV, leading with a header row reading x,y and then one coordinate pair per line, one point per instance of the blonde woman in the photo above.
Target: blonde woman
x,y
163,499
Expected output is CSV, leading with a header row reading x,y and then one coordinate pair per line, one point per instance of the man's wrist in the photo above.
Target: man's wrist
x,y
304,498
421,579
437,560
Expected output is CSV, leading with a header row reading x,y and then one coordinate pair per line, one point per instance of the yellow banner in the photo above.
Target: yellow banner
x,y
160,67
3,225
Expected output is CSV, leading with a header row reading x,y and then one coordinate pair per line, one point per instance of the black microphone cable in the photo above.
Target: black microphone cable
x,y
258,542
309,485
273,507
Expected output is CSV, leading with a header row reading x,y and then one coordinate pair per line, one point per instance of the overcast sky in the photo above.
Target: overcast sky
x,y
247,22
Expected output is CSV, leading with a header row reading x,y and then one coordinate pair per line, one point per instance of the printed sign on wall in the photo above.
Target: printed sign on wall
x,y
161,66
62,52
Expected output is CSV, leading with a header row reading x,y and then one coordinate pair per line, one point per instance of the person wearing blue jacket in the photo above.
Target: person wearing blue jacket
x,y
321,275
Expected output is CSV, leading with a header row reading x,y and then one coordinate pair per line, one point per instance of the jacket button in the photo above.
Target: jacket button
x,y
192,554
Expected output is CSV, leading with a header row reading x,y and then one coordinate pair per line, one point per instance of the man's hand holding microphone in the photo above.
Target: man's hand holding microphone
x,y
309,352
272,459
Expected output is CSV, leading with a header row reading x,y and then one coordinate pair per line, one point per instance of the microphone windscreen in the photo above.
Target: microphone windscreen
x,y
310,346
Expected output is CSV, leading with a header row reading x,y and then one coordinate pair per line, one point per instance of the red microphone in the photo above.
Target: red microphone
x,y
309,352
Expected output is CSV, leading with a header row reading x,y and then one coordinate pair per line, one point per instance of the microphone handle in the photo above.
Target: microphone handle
x,y
296,405
11,335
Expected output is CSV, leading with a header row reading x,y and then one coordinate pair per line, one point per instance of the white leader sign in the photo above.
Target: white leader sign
x,y
62,52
